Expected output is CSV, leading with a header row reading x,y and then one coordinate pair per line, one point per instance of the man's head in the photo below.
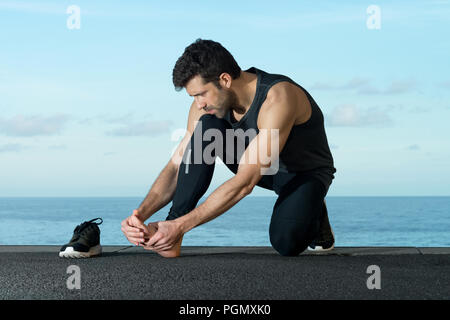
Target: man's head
x,y
206,70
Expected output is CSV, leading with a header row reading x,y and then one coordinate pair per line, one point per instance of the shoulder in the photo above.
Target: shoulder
x,y
288,99
287,94
279,108
281,98
280,91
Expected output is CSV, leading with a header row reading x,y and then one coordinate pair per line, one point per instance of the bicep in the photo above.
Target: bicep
x,y
262,154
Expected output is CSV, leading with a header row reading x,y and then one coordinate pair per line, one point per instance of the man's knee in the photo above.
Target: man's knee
x,y
287,239
288,247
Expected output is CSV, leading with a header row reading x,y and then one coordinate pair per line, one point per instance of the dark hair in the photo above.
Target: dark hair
x,y
206,58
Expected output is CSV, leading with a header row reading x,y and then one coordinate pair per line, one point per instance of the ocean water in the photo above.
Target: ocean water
x,y
356,221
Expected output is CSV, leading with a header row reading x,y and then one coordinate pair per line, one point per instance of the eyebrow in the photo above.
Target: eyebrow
x,y
197,94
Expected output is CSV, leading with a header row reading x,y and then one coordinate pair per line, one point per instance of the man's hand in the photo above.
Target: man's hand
x,y
134,229
167,236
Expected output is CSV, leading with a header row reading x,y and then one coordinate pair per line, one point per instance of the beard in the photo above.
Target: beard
x,y
228,100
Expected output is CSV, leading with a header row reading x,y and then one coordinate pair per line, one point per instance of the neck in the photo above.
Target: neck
x,y
245,89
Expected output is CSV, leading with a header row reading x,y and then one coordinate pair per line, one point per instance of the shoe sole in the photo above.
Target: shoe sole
x,y
318,249
69,252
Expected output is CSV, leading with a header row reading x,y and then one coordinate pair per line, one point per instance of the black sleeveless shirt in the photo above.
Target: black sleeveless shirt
x,y
306,150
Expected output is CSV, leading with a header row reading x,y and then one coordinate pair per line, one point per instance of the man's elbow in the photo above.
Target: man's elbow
x,y
247,186
247,180
247,189
242,187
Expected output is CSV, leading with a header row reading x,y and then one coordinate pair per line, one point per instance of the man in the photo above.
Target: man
x,y
281,113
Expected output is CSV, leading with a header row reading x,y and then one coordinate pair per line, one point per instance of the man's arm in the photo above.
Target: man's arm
x,y
280,113
163,189
161,192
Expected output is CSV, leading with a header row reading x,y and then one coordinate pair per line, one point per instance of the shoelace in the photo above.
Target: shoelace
x,y
86,224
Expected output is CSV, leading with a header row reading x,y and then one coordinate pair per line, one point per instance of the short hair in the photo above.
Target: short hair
x,y
206,58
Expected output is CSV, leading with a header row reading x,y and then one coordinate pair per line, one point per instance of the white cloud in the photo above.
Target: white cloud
x,y
354,83
105,118
127,127
145,128
12,147
349,115
364,86
401,86
27,126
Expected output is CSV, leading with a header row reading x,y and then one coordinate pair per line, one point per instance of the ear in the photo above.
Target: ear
x,y
225,80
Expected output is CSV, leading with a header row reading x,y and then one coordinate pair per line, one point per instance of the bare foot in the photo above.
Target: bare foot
x,y
172,253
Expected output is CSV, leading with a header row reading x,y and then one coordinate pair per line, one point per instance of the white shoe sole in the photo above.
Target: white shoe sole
x,y
320,249
69,252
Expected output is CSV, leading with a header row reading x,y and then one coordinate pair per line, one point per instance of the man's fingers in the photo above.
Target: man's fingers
x,y
135,222
131,228
154,239
157,248
160,244
134,231
135,241
162,247
139,235
134,235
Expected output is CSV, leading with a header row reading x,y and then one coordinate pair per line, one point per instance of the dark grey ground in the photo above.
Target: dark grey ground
x,y
239,273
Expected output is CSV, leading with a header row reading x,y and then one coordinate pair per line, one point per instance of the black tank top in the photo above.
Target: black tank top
x,y
306,150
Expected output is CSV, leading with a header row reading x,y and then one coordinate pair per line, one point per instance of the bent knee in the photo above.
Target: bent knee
x,y
288,240
288,248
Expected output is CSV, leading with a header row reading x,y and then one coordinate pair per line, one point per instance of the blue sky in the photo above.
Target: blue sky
x,y
93,112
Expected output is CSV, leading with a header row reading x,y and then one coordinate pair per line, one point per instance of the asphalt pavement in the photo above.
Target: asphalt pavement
x,y
222,273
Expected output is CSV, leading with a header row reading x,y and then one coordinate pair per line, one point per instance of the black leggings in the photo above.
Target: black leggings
x,y
297,211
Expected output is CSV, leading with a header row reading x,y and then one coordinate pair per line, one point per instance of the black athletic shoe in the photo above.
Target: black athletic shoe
x,y
85,241
325,240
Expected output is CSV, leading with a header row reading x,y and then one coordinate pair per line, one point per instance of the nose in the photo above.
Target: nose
x,y
200,103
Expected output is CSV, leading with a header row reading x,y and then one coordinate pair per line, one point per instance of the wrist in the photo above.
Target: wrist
x,y
183,223
140,214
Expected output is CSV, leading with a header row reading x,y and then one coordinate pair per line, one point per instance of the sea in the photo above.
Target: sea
x,y
356,221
